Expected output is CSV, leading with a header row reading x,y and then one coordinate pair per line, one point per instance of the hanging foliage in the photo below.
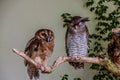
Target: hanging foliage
x,y
106,19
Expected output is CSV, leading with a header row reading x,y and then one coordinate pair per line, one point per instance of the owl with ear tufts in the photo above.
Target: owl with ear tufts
x,y
39,48
77,39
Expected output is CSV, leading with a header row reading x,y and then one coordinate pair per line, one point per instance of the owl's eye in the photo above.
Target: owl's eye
x,y
72,24
43,34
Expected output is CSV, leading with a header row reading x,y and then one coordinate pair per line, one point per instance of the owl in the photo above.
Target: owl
x,y
77,39
39,48
114,47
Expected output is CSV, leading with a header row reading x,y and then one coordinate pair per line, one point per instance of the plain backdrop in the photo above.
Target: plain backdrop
x,y
20,19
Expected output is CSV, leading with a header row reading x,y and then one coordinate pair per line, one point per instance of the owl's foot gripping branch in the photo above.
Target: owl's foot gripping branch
x,y
108,64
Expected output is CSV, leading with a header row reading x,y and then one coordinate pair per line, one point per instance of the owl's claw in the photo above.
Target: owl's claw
x,y
41,67
61,59
44,69
47,69
76,57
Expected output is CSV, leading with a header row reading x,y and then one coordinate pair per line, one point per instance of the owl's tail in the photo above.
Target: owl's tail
x,y
33,72
77,65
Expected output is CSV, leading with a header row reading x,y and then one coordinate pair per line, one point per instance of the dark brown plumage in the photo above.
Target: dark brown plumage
x,y
39,48
114,47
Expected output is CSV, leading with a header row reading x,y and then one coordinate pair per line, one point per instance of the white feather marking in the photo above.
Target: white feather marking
x,y
37,59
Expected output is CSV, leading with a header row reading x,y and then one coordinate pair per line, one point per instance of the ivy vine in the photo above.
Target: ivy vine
x,y
106,21
66,77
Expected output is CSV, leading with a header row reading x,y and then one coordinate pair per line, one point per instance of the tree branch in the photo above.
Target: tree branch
x,y
93,60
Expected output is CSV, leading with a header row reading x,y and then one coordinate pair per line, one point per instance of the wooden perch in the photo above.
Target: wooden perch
x,y
93,60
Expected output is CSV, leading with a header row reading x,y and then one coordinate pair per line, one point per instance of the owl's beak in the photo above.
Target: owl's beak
x,y
76,27
48,38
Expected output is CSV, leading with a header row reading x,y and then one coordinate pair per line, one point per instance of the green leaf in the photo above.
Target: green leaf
x,y
65,15
95,67
65,77
92,55
89,3
65,25
92,9
77,79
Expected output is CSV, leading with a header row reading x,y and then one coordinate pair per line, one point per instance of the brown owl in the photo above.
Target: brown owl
x,y
77,39
114,46
39,48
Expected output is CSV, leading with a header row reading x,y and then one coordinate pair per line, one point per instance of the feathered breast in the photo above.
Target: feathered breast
x,y
76,44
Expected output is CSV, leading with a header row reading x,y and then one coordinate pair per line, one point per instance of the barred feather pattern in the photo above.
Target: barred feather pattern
x,y
77,44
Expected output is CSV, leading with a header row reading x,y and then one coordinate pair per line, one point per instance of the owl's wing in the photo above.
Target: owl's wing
x,y
31,46
66,35
87,34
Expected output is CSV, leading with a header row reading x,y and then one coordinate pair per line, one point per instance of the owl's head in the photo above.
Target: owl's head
x,y
77,22
116,32
45,35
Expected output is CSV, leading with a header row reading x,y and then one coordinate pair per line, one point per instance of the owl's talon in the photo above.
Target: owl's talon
x,y
47,69
59,59
41,67
76,57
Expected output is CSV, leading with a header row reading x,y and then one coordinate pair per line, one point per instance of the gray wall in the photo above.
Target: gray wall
x,y
19,19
